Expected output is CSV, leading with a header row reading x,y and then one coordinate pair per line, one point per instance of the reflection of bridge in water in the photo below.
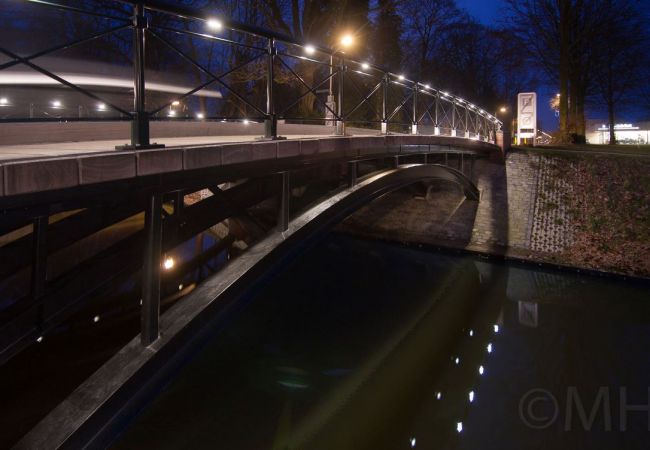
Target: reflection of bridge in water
x,y
55,194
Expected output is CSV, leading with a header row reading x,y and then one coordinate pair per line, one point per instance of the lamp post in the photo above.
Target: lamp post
x,y
346,41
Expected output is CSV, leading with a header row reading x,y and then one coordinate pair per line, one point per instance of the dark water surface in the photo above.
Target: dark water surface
x,y
363,345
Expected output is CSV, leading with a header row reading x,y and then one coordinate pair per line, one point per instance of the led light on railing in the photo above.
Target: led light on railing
x,y
171,114
96,319
39,339
481,370
176,103
459,427
413,441
471,396
101,107
4,101
56,104
489,348
445,94
214,24
310,49
200,116
246,121
496,328
365,66
438,395
401,77
426,86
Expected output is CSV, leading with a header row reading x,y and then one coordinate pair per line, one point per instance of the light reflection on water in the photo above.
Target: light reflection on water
x,y
360,345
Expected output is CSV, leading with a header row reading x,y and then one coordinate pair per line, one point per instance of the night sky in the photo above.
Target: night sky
x,y
485,11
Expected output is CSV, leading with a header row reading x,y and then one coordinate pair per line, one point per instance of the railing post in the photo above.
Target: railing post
x,y
271,121
285,199
466,122
414,125
39,267
150,313
436,129
140,121
453,118
384,99
340,123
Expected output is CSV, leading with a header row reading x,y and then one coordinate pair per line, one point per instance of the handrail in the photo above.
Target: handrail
x,y
445,111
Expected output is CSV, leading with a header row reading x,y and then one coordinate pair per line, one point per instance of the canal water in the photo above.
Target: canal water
x,y
365,345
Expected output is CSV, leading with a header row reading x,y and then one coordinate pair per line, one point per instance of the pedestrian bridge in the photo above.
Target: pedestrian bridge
x,y
93,155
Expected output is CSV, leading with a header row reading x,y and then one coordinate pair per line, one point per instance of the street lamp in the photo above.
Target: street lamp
x,y
346,41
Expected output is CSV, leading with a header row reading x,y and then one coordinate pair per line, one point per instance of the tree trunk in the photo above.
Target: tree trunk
x,y
564,69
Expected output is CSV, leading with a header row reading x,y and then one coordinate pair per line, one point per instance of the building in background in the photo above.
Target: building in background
x,y
626,133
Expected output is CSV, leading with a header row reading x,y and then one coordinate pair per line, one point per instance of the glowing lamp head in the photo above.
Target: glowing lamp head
x,y
365,66
310,49
200,116
168,264
214,24
347,40
503,109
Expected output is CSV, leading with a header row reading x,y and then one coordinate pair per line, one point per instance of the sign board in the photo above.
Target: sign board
x,y
526,116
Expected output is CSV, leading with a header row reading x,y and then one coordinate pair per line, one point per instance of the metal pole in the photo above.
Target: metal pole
x,y
436,129
453,119
352,173
285,198
466,122
140,121
384,99
271,122
340,123
414,126
39,266
150,314
330,97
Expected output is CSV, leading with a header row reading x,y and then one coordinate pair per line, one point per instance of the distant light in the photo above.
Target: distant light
x,y
401,77
496,328
412,441
180,287
471,333
56,103
489,348
4,101
310,49
460,100
558,95
214,24
365,66
200,116
96,319
39,339
347,40
445,94
140,302
101,107
457,360
438,395
459,427
176,103
471,396
426,86
503,109
481,370
169,263
246,121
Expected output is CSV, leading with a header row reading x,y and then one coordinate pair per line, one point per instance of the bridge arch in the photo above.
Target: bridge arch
x,y
136,373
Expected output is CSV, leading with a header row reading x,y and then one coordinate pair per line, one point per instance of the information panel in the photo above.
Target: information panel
x,y
526,116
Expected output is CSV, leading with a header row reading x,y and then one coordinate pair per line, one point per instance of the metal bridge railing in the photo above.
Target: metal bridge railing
x,y
254,75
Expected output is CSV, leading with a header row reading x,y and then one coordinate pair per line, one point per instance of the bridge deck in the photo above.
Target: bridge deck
x,y
37,168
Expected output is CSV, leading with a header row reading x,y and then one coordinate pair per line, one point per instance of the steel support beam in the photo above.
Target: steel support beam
x,y
150,312
39,266
384,100
352,173
285,202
